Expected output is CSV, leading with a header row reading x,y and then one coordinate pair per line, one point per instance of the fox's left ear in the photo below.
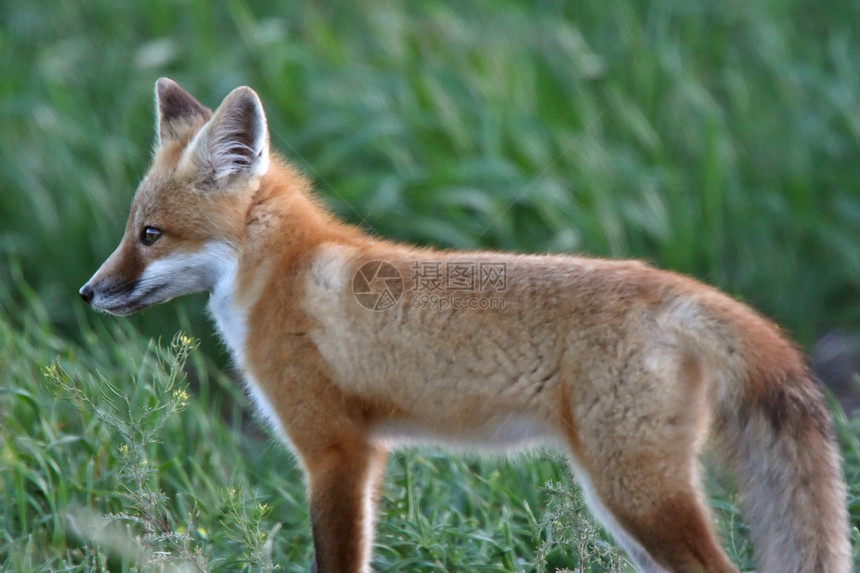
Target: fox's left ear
x,y
235,141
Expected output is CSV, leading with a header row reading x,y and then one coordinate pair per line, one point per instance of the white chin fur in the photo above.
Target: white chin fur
x,y
174,275
184,273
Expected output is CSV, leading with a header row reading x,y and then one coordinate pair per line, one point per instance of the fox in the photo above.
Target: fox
x,y
351,345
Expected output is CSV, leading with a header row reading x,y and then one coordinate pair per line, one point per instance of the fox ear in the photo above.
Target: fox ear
x,y
177,110
235,141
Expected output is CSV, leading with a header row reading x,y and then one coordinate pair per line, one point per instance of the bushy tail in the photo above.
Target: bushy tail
x,y
793,494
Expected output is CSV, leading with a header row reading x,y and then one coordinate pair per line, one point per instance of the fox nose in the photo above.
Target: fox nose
x,y
87,293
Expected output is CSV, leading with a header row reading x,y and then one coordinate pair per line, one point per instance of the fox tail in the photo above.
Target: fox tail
x,y
780,440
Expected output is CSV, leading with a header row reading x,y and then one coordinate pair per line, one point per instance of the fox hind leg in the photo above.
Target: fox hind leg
x,y
678,534
652,505
644,562
661,531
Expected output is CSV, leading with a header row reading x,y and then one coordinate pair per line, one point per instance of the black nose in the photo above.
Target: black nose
x,y
86,293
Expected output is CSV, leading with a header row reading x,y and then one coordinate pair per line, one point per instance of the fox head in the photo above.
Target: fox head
x,y
187,217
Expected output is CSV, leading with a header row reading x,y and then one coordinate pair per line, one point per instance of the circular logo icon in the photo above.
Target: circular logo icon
x,y
377,285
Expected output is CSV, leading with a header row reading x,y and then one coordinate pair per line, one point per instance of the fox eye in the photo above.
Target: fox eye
x,y
149,235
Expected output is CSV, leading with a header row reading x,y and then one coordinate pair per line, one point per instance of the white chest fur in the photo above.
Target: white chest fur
x,y
231,320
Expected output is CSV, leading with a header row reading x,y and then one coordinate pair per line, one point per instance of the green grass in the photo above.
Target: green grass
x,y
715,138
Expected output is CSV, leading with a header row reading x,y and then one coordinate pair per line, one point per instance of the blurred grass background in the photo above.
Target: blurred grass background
x,y
717,138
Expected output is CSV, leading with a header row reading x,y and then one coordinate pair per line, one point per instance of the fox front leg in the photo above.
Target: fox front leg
x,y
343,489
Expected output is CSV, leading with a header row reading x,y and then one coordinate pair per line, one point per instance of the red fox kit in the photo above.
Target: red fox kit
x,y
351,345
